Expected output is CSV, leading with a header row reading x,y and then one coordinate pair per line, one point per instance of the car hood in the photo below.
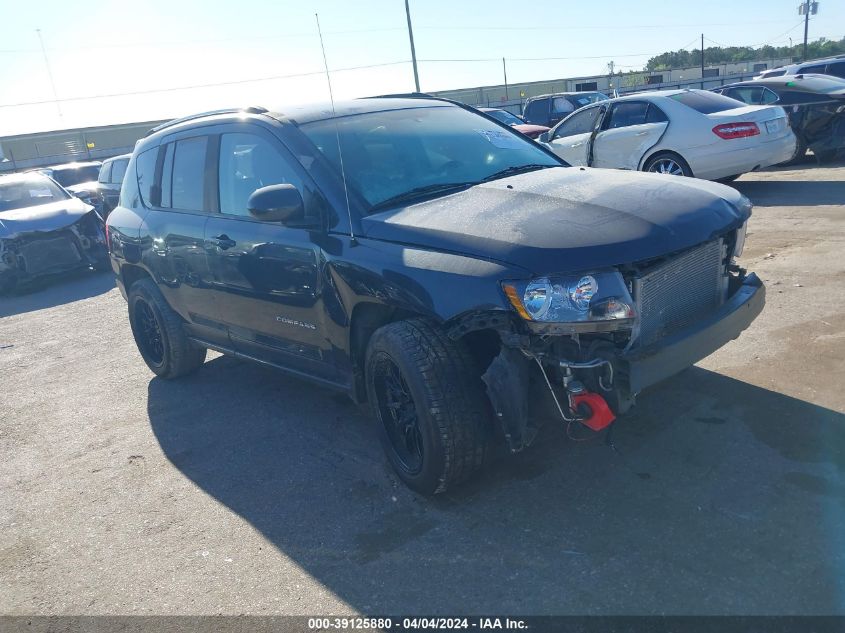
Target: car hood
x,y
567,219
44,217
92,185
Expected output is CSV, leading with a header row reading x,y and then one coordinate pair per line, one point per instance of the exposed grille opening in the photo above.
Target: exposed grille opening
x,y
679,291
44,254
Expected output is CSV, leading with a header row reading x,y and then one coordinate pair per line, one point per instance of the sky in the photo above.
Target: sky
x,y
177,57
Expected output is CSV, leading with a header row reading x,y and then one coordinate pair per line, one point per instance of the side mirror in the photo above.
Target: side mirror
x,y
277,203
545,137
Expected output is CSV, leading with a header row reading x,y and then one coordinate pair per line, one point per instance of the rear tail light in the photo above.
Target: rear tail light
x,y
736,130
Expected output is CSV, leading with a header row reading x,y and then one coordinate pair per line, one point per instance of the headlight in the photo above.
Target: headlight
x,y
571,299
740,239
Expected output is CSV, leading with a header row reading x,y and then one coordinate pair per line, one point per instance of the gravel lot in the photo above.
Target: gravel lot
x,y
239,490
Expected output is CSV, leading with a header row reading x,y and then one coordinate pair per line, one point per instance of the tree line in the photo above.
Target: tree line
x,y
822,47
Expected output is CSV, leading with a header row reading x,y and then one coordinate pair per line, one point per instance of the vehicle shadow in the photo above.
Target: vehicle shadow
x,y
710,487
55,291
801,193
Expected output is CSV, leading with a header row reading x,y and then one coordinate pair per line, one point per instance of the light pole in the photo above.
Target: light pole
x,y
413,52
49,72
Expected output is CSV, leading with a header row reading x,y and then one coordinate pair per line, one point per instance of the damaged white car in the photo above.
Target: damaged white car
x,y
44,231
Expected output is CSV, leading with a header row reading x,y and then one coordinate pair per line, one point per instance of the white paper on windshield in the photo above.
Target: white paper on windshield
x,y
40,193
502,139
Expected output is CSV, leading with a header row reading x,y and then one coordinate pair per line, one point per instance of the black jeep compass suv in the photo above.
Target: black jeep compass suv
x,y
425,258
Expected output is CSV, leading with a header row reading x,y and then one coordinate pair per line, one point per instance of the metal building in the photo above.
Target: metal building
x,y
41,149
513,96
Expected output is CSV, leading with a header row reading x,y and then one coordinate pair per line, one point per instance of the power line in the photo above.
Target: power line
x,y
190,42
582,27
198,86
534,59
777,37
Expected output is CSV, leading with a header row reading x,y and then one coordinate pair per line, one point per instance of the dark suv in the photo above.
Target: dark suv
x,y
417,255
109,181
549,110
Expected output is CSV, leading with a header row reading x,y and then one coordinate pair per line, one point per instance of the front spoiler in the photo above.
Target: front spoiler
x,y
682,349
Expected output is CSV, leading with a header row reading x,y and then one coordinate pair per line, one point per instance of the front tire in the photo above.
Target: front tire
x,y
159,334
426,394
668,163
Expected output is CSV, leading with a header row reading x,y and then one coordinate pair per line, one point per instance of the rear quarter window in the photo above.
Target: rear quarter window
x,y
145,168
706,102
104,172
118,170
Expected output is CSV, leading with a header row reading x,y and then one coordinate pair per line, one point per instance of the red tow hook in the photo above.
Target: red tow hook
x,y
593,410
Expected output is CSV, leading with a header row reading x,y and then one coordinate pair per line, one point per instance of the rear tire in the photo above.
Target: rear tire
x,y
668,163
426,395
159,333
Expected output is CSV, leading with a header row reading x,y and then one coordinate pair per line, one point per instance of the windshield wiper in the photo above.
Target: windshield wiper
x,y
421,192
516,169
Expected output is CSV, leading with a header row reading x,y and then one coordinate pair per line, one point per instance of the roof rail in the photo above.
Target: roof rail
x,y
404,95
191,117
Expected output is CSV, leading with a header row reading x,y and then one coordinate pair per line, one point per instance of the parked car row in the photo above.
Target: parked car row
x,y
678,132
833,66
432,261
815,105
96,183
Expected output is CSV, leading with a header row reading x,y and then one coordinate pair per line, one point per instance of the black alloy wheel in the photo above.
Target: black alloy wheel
x,y
397,412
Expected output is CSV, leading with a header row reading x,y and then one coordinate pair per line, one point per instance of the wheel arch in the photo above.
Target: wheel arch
x,y
130,273
653,153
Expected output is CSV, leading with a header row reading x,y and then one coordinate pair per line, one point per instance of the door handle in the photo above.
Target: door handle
x,y
641,133
577,144
223,241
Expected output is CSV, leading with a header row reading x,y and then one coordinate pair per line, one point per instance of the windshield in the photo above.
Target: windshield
x,y
505,117
386,154
69,176
29,192
706,102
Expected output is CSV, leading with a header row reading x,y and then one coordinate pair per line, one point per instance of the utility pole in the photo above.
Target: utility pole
x,y
806,8
413,51
702,61
505,72
49,72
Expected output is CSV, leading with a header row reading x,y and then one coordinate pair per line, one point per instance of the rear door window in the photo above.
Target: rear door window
x,y
817,69
706,102
837,69
626,114
187,185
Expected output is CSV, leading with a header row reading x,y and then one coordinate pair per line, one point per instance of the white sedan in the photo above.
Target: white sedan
x,y
680,132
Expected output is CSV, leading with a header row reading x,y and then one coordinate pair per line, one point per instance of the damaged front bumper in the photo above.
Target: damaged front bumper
x,y
25,257
682,349
534,377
